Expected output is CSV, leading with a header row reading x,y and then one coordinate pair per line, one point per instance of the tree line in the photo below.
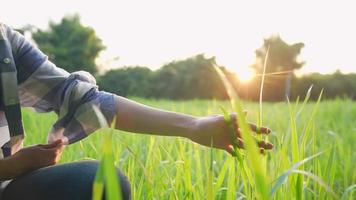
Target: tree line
x,y
196,77
74,47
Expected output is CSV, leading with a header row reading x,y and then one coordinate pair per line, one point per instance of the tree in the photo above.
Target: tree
x,y
336,85
282,59
70,45
127,81
191,78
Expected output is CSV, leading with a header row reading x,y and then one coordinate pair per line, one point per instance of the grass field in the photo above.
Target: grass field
x,y
175,168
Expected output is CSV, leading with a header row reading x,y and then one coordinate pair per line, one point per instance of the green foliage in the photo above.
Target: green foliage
x,y
176,168
70,45
127,81
282,59
282,56
334,85
186,79
178,81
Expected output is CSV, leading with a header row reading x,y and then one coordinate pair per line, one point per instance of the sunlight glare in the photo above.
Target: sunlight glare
x,y
239,66
245,75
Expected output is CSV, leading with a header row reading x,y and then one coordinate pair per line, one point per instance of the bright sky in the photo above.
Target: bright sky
x,y
151,33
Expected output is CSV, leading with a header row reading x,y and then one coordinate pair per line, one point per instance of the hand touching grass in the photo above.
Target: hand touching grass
x,y
215,129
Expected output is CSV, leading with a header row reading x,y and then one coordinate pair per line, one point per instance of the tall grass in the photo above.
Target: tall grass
x,y
175,168
106,175
254,162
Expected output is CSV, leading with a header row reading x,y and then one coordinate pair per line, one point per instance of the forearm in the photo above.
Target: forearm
x,y
138,118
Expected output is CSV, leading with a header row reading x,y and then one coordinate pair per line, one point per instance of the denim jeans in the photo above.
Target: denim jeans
x,y
70,181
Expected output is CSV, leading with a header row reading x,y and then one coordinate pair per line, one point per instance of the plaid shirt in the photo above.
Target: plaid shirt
x,y
45,87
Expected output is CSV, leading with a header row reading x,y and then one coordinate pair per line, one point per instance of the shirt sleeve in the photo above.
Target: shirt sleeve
x,y
26,55
41,83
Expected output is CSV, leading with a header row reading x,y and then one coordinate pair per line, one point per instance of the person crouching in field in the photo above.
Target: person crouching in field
x,y
29,79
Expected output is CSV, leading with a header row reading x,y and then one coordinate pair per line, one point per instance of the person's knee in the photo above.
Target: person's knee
x,y
125,187
69,178
124,182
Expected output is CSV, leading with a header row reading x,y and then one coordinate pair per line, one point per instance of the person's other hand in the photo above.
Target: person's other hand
x,y
37,156
216,128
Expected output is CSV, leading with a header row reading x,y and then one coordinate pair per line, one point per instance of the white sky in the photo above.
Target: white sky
x,y
155,32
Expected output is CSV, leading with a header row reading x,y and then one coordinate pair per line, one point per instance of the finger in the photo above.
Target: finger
x,y
233,115
233,123
55,144
240,143
238,133
262,151
265,145
259,130
261,144
230,149
58,148
233,119
54,152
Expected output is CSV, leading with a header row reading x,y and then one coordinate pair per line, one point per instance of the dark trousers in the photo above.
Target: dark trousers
x,y
70,181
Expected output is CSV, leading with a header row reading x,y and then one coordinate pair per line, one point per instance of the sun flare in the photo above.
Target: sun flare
x,y
245,75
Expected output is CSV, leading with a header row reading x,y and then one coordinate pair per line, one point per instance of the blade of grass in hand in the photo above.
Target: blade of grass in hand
x,y
252,150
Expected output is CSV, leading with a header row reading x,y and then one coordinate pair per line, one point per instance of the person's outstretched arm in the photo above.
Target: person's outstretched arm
x,y
47,87
138,118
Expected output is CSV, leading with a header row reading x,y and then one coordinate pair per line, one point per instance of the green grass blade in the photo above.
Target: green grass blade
x,y
228,87
348,190
260,116
98,185
231,184
236,152
221,176
106,171
309,125
294,133
252,150
210,188
317,179
295,151
306,99
253,155
261,88
112,189
281,179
